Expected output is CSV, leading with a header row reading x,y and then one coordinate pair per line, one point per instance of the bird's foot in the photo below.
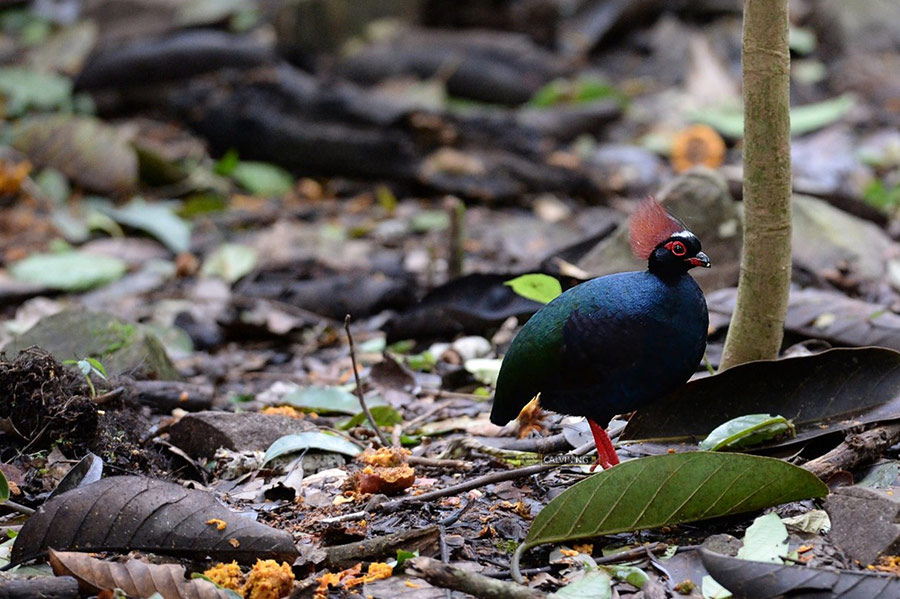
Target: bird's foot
x,y
606,453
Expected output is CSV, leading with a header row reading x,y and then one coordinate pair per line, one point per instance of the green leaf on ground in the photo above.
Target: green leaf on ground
x,y
4,488
403,555
595,584
310,440
729,120
578,91
158,219
765,540
68,271
230,262
261,178
328,400
538,287
630,574
485,370
669,489
24,89
384,416
747,431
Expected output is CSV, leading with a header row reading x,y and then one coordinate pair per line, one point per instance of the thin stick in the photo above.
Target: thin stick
x,y
450,577
16,507
359,392
481,481
855,450
439,463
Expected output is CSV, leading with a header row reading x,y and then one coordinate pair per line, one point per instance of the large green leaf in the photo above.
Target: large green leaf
x,y
68,271
669,489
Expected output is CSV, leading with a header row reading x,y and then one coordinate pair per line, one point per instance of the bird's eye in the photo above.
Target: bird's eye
x,y
677,248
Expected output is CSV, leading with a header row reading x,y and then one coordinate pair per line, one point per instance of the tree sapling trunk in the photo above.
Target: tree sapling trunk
x,y
757,326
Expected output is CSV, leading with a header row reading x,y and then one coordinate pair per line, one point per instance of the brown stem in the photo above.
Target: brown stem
x,y
757,328
424,540
475,483
855,450
359,392
478,585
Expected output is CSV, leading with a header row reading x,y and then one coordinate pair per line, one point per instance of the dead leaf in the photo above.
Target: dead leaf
x,y
131,513
137,578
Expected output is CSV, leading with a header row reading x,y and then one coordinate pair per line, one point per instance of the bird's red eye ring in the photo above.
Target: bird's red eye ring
x,y
677,248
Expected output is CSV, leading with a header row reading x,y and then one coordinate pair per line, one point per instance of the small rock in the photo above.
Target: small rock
x,y
864,522
202,433
122,347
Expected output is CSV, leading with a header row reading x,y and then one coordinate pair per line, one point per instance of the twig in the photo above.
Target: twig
x,y
456,213
439,463
551,444
424,540
475,483
109,396
855,450
635,553
17,507
487,479
455,516
525,572
450,577
359,392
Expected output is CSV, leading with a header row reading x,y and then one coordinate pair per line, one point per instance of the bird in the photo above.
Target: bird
x,y
615,343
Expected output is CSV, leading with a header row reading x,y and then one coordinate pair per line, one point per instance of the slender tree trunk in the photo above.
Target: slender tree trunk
x,y
757,326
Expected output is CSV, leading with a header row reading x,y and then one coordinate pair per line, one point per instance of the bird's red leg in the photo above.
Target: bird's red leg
x,y
606,453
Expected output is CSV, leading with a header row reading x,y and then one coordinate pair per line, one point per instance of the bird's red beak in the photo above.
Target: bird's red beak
x,y
700,259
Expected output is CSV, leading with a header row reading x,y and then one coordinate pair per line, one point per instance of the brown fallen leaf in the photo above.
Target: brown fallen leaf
x,y
125,513
135,577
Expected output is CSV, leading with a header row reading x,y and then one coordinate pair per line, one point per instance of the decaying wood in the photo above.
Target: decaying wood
x,y
451,577
855,450
46,587
494,67
424,540
269,110
179,56
164,396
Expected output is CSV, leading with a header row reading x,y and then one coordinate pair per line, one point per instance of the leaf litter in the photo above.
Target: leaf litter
x,y
264,255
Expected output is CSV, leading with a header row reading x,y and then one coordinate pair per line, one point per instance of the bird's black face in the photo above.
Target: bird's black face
x,y
677,255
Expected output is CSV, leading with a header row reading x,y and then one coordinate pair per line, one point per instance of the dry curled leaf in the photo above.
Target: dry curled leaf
x,y
135,577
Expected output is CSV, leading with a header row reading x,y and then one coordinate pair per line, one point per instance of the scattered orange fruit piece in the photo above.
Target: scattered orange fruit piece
x,y
220,524
697,145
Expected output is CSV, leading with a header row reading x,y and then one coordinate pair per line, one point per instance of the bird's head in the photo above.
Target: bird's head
x,y
669,248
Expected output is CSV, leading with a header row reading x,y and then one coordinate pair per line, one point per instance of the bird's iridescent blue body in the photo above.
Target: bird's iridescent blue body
x,y
606,347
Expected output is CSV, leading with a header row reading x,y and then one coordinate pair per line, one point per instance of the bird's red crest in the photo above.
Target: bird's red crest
x,y
650,226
